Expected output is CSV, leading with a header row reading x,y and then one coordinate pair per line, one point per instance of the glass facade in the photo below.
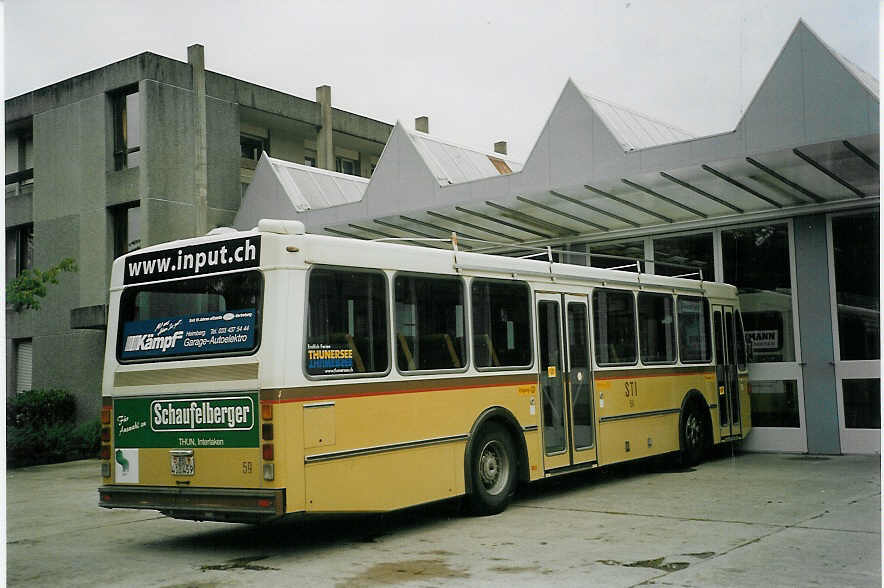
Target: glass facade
x,y
756,261
857,289
617,254
686,256
862,403
775,403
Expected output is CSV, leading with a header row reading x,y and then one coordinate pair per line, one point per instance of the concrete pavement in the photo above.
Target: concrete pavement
x,y
748,520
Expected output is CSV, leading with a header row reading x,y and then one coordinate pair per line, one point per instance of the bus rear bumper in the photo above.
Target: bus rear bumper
x,y
235,505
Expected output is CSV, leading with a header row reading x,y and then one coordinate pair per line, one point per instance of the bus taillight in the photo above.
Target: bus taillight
x,y
105,452
267,412
105,434
267,451
106,415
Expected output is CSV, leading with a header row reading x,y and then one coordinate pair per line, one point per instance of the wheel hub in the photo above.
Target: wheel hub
x,y
493,467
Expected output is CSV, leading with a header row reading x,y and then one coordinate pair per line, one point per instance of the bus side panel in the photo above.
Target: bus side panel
x,y
385,481
289,453
410,444
745,406
646,395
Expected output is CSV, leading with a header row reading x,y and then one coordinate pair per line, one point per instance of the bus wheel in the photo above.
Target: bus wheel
x,y
493,471
694,436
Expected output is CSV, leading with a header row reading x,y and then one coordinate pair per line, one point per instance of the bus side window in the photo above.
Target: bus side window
x,y
693,329
429,323
613,315
656,328
346,322
501,323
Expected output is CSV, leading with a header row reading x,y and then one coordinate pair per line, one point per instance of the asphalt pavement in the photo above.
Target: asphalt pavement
x,y
742,520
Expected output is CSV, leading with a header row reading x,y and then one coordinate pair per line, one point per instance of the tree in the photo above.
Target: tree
x,y
26,290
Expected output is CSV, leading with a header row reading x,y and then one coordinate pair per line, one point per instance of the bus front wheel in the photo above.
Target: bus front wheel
x,y
492,471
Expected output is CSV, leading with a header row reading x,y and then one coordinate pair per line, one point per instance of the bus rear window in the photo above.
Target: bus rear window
x,y
197,317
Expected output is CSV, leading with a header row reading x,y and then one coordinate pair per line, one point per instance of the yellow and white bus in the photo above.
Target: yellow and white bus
x,y
250,375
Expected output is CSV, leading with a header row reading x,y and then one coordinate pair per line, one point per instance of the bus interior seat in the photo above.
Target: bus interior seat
x,y
483,343
405,352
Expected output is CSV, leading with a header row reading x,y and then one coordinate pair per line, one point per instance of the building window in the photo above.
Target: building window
x,y
346,166
756,261
251,146
429,323
127,228
19,250
617,255
126,109
20,162
775,403
686,256
857,258
310,158
23,365
862,403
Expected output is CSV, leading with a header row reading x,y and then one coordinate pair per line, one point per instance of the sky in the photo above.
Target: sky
x,y
483,71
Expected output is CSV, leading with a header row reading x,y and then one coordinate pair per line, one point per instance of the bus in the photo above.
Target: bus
x,y
255,374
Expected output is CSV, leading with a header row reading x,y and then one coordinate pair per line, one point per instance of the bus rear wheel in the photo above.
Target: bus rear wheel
x,y
492,471
694,434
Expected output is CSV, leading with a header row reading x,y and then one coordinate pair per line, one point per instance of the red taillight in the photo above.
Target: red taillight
x,y
267,411
267,431
265,503
748,387
267,451
105,452
105,498
105,434
105,415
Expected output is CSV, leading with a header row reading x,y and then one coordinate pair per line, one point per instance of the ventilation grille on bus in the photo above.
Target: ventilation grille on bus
x,y
193,375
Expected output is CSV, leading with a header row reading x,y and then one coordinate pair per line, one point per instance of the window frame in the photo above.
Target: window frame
x,y
671,297
119,126
707,305
388,329
595,344
394,356
531,325
259,323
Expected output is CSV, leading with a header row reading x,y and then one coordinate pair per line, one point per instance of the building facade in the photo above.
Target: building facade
x,y
785,206
142,151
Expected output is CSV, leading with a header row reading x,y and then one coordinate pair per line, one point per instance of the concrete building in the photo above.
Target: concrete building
x,y
141,151
785,206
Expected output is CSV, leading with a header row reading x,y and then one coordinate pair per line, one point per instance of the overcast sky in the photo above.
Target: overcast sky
x,y
482,71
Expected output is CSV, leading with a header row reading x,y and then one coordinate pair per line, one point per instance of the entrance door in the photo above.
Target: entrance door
x,y
565,381
726,371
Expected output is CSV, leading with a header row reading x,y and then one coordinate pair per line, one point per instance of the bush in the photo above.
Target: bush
x,y
40,408
41,429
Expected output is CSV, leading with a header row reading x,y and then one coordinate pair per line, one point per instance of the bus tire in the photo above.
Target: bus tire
x,y
493,471
693,433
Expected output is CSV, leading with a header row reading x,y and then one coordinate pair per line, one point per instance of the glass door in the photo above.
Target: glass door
x,y
565,380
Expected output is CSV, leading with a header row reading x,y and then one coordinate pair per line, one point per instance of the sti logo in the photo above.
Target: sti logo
x,y
156,340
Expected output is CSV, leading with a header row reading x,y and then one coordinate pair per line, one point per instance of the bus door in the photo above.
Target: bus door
x,y
725,342
565,381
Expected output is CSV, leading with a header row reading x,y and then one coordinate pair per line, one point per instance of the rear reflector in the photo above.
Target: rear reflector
x,y
265,503
267,451
105,498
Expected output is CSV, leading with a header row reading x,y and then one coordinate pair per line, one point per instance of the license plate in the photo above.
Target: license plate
x,y
182,465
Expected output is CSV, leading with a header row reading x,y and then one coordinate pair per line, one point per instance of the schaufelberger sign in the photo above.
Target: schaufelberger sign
x,y
193,260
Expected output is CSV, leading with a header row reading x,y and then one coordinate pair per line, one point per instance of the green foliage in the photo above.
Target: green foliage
x,y
26,290
41,429
40,408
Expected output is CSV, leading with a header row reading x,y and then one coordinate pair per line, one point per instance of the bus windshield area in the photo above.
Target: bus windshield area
x,y
196,317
